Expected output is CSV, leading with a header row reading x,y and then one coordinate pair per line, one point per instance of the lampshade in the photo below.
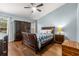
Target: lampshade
x,y
59,28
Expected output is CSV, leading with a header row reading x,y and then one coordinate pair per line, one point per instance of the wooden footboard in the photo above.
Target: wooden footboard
x,y
30,40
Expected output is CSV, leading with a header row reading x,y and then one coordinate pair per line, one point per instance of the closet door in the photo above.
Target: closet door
x,y
28,27
21,26
25,27
18,35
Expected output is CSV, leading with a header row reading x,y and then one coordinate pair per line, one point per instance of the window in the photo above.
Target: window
x,y
3,25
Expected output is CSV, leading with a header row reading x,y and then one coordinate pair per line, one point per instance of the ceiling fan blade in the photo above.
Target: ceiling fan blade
x,y
27,7
32,4
39,5
39,10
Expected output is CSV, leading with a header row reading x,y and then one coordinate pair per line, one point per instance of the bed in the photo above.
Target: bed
x,y
37,41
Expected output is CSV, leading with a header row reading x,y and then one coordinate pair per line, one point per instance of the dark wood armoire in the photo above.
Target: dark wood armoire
x,y
21,26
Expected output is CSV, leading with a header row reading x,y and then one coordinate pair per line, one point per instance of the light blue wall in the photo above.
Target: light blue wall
x,y
78,23
65,16
11,26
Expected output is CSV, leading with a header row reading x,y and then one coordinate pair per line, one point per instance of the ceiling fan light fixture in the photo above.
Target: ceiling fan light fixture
x,y
34,8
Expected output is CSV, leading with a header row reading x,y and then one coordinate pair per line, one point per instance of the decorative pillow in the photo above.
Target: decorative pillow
x,y
46,31
43,31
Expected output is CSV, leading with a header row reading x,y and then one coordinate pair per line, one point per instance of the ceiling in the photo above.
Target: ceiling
x,y
18,9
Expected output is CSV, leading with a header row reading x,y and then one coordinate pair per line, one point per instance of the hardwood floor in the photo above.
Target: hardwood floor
x,y
68,48
18,49
71,43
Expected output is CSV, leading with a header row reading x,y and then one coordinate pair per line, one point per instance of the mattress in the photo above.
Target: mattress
x,y
43,37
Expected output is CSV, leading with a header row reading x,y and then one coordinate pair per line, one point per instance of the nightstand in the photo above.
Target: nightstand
x,y
59,38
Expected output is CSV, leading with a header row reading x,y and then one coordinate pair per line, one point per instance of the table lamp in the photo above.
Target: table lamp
x,y
59,28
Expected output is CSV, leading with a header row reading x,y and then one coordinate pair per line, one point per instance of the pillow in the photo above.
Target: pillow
x,y
43,31
46,31
49,31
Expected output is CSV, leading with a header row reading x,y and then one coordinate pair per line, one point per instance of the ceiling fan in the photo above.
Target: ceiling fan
x,y
35,7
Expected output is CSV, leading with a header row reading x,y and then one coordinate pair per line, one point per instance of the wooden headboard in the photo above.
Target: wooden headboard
x,y
49,28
